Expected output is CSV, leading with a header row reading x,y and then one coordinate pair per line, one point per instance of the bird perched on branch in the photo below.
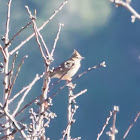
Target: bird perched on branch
x,y
68,68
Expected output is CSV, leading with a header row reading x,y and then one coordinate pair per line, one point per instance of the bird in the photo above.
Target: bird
x,y
67,69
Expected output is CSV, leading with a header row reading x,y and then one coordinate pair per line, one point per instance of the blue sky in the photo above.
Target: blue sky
x,y
100,32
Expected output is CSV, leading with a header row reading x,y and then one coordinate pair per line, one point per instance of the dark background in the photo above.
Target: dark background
x,y
100,32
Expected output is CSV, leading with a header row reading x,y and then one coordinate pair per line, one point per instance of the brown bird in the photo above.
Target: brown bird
x,y
68,68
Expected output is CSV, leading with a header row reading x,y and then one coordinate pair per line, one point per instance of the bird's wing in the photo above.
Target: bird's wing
x,y
63,68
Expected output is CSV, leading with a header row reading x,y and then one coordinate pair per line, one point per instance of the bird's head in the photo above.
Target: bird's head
x,y
76,55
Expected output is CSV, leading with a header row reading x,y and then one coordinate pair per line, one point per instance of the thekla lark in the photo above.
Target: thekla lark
x,y
68,68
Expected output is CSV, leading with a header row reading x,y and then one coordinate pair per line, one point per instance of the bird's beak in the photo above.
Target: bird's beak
x,y
82,57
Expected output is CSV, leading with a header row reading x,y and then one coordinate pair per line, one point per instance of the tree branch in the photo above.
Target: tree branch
x,y
14,79
7,22
106,123
126,133
37,35
53,95
15,35
41,27
113,131
26,92
56,39
126,4
3,53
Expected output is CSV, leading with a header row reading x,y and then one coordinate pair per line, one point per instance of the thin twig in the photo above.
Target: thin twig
x,y
134,16
6,66
3,53
12,68
56,39
78,94
6,136
14,79
27,105
106,123
126,133
17,127
69,110
18,70
113,131
17,94
65,132
41,27
4,129
78,76
15,35
26,92
37,35
7,22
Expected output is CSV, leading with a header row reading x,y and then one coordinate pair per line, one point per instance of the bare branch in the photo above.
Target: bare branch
x,y
53,95
71,111
7,22
21,91
3,53
78,76
26,92
79,94
126,133
12,68
106,123
9,135
56,39
69,116
15,77
15,35
37,38
126,4
113,131
41,27
17,127
17,94
6,64
27,105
